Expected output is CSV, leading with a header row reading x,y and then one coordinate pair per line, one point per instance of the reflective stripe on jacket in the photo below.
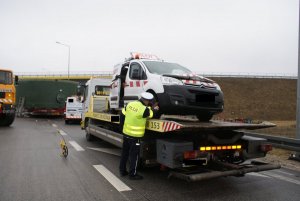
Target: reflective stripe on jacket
x,y
135,123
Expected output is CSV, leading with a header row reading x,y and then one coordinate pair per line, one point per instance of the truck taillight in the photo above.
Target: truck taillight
x,y
191,154
266,147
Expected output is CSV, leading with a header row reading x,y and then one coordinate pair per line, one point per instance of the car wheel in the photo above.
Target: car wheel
x,y
157,114
204,117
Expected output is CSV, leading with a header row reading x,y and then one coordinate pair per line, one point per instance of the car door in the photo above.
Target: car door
x,y
134,82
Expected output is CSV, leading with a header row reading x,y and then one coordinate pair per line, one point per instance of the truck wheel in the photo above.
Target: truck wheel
x,y
66,121
204,117
7,119
141,164
88,135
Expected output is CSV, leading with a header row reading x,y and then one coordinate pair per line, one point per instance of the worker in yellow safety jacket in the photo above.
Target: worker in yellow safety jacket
x,y
136,114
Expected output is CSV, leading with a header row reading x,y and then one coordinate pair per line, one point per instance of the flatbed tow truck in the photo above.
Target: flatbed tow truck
x,y
190,149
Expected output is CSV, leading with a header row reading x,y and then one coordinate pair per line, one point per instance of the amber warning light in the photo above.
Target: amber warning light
x,y
139,55
223,147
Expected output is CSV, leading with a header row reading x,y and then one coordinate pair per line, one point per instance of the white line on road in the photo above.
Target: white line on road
x,y
116,152
117,183
54,125
283,172
257,174
76,146
282,178
62,132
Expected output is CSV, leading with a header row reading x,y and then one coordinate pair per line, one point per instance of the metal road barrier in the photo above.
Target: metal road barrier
x,y
279,142
62,77
88,74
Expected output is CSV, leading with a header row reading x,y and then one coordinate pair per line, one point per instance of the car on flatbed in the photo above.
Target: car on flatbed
x,y
177,90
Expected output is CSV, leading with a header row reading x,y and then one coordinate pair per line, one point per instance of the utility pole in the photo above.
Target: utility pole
x,y
296,155
69,47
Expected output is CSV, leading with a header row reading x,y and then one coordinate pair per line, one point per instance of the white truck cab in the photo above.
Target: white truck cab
x,y
73,110
95,87
176,89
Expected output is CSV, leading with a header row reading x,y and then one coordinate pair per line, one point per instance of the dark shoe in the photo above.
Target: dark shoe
x,y
136,177
123,174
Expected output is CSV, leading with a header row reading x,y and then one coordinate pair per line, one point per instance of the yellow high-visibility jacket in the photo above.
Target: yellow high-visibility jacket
x,y
135,122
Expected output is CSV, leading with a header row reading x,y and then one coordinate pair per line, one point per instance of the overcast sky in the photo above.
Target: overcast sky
x,y
218,36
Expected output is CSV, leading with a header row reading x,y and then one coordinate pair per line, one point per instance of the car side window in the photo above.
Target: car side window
x,y
136,72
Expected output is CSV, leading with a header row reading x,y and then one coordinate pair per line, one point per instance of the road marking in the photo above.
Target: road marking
x,y
76,146
282,178
107,135
283,172
62,132
257,174
116,152
111,178
54,125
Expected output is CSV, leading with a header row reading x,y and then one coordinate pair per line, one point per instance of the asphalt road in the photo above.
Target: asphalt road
x,y
31,168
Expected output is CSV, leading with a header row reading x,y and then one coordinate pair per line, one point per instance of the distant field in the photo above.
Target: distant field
x,y
262,99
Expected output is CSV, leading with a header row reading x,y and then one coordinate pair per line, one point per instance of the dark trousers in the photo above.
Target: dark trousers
x,y
131,150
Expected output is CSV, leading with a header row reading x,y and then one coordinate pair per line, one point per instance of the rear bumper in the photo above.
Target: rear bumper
x,y
7,109
238,171
72,116
190,100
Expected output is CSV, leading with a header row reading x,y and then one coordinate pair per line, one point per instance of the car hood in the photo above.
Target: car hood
x,y
194,80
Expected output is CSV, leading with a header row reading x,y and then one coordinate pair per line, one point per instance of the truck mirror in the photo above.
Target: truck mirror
x,y
16,80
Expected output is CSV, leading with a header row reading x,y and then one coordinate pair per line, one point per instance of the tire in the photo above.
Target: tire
x,y
7,119
158,114
66,121
204,117
141,164
88,135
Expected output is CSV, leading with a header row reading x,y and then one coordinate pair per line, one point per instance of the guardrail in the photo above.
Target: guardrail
x,y
279,142
109,73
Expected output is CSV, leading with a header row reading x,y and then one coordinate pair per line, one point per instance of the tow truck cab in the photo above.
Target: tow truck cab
x,y
94,87
7,97
177,90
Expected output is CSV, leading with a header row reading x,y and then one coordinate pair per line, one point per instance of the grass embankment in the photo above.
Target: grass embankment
x,y
261,99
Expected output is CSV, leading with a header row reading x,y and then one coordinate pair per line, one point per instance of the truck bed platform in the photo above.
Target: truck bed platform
x,y
175,123
185,124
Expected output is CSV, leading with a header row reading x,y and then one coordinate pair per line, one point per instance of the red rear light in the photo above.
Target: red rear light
x,y
190,154
266,147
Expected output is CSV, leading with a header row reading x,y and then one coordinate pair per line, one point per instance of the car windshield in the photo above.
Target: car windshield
x,y
162,68
5,77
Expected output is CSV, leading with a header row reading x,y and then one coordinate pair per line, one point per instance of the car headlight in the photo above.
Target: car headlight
x,y
170,81
217,86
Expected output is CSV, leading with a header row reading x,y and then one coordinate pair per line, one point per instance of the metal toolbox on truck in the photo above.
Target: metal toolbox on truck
x,y
253,146
170,152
